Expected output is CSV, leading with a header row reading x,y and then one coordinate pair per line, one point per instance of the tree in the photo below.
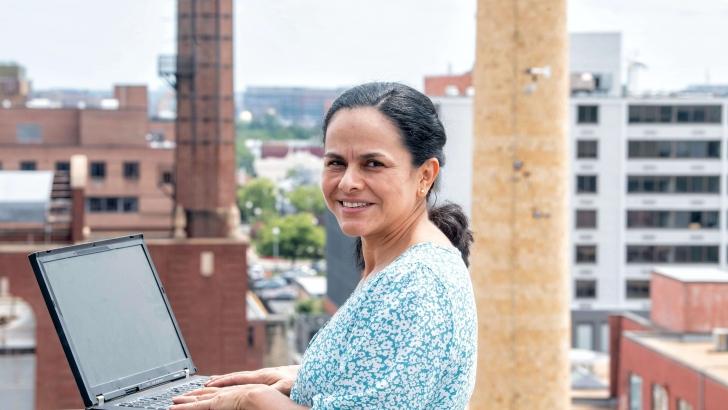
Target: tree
x,y
308,198
244,157
260,194
298,237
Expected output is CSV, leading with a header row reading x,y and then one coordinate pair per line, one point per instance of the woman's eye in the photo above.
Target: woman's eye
x,y
373,164
334,163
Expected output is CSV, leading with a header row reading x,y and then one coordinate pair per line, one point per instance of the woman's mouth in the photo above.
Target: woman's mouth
x,y
354,206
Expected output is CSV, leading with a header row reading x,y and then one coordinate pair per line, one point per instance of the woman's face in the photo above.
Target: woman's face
x,y
368,179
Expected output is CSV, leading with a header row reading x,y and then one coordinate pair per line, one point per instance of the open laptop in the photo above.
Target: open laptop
x,y
115,324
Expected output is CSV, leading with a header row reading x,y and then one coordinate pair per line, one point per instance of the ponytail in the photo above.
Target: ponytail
x,y
451,220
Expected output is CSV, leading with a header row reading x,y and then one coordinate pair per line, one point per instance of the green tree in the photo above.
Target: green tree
x,y
308,198
258,193
244,157
298,237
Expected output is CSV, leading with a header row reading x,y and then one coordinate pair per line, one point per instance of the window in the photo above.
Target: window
x,y
586,254
587,114
112,204
684,184
680,114
673,149
63,166
28,166
673,219
604,337
586,218
683,405
585,289
587,149
637,289
166,177
584,336
672,254
131,170
28,133
1,166
659,397
635,392
98,170
586,184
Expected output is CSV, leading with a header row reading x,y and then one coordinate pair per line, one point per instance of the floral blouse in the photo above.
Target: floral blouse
x,y
405,339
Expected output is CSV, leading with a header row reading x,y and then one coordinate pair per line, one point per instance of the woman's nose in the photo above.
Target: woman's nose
x,y
351,180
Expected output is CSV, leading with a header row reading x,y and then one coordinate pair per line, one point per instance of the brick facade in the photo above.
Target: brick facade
x,y
689,307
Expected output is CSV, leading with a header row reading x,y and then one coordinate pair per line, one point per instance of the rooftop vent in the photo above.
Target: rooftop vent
x,y
720,339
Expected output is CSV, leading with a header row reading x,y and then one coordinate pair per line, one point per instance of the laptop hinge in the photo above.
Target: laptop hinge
x,y
100,398
187,373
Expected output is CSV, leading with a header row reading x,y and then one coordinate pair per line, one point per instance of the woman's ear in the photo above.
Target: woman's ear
x,y
428,173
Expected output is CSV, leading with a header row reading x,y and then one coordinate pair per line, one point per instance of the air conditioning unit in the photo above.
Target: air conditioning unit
x,y
720,339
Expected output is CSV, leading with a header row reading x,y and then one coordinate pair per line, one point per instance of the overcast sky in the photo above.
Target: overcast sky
x,y
328,43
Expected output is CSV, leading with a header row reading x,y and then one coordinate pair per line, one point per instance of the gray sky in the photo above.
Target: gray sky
x,y
96,43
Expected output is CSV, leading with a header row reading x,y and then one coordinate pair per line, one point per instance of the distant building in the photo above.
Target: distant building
x,y
678,359
14,86
449,85
293,105
130,158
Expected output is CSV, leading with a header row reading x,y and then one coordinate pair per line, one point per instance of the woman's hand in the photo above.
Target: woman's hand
x,y
245,397
280,378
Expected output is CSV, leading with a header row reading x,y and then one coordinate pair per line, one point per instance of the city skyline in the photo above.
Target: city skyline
x,y
329,43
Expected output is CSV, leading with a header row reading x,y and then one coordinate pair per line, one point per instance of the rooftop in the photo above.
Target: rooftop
x,y
693,274
692,352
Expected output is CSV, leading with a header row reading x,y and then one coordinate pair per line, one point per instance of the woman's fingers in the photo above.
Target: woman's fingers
x,y
192,399
232,379
200,392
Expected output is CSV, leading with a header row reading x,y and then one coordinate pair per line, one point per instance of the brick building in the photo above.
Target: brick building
x,y
449,85
130,157
671,361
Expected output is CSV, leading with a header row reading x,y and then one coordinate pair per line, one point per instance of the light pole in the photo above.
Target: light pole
x,y
276,231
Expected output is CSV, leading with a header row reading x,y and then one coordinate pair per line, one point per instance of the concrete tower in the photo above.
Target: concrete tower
x,y
205,156
520,193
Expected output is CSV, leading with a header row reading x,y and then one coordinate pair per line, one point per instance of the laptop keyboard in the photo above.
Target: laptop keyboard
x,y
163,399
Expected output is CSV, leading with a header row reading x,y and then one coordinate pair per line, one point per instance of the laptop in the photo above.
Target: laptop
x,y
115,324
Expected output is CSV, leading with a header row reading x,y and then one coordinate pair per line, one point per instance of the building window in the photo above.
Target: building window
x,y
28,133
166,177
585,289
28,166
1,165
681,184
131,170
604,337
635,392
587,114
97,170
674,149
586,149
683,405
586,218
584,336
586,184
586,253
672,254
673,219
680,114
637,289
63,166
660,400
112,204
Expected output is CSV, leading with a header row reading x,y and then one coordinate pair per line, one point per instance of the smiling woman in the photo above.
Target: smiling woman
x,y
406,338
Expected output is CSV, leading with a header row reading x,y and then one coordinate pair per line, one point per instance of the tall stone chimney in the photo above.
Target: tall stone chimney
x,y
205,154
520,204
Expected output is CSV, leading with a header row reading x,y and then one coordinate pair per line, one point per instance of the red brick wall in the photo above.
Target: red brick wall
x,y
113,128
680,381
617,325
58,126
210,312
716,395
668,303
688,307
436,85
131,97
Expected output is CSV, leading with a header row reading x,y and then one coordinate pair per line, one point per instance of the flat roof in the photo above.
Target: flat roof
x,y
25,186
693,274
696,354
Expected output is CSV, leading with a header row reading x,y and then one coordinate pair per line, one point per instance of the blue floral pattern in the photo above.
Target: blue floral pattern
x,y
405,339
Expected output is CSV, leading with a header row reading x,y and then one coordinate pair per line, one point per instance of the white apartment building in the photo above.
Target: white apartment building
x,y
650,185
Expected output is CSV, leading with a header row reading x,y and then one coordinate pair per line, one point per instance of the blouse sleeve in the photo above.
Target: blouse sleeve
x,y
398,347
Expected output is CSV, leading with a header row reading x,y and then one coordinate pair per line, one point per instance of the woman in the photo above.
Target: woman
x,y
406,337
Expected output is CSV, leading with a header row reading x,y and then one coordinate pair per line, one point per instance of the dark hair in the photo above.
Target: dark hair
x,y
415,117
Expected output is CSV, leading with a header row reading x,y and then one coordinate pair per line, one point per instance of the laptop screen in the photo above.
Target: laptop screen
x,y
115,314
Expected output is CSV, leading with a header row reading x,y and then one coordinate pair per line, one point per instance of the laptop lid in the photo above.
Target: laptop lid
x,y
112,316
